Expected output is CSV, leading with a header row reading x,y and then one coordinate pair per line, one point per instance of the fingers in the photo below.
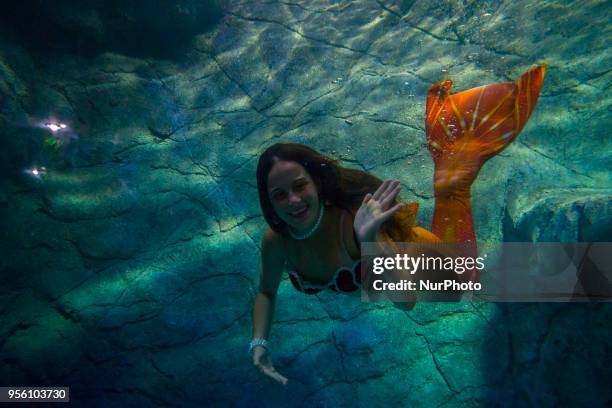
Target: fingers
x,y
367,198
379,192
390,194
275,375
386,193
264,365
388,214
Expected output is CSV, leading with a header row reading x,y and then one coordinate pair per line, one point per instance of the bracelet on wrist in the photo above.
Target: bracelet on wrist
x,y
258,342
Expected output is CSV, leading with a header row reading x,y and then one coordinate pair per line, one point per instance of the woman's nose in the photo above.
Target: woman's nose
x,y
294,198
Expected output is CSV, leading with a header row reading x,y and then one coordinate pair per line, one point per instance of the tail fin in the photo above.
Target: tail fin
x,y
480,121
466,129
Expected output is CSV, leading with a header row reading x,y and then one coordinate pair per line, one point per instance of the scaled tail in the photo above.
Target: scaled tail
x,y
466,129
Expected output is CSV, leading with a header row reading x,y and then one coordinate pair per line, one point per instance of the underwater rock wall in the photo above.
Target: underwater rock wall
x,y
131,238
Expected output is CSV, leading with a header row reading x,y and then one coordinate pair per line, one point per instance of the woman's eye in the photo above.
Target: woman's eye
x,y
300,187
279,195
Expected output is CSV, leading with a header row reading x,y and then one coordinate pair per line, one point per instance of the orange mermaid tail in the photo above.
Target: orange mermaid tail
x,y
466,129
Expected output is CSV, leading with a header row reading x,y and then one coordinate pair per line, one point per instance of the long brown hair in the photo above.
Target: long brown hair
x,y
337,185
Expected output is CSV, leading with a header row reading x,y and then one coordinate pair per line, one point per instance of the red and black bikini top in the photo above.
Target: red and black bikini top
x,y
344,280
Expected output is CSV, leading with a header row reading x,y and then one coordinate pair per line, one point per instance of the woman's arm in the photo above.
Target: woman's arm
x,y
374,211
270,273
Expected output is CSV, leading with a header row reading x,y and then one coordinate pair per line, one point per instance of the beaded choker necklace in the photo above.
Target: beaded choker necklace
x,y
313,229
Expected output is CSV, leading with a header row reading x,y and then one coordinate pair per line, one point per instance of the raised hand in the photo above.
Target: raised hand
x,y
375,209
262,361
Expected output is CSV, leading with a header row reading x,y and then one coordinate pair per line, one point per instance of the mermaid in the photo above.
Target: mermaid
x,y
319,212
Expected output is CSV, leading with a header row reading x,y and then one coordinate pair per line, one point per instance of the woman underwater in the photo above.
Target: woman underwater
x,y
318,212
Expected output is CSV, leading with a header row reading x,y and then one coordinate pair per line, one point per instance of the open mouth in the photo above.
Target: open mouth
x,y
300,214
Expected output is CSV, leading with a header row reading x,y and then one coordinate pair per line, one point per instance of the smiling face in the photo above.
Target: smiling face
x,y
293,195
